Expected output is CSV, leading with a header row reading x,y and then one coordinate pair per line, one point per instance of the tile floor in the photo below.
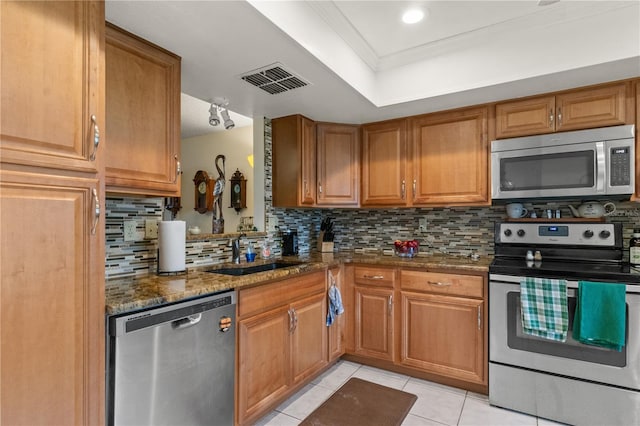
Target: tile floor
x,y
437,404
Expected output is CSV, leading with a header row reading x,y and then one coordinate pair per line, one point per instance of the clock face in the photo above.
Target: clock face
x,y
202,188
236,188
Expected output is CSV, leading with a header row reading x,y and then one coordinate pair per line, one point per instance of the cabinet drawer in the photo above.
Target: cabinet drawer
x,y
257,299
381,277
451,284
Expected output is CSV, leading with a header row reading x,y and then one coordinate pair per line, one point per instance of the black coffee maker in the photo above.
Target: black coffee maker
x,y
289,243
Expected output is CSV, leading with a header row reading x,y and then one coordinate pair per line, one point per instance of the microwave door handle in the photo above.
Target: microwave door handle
x,y
601,166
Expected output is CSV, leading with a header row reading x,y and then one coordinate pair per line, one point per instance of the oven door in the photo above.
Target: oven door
x,y
509,345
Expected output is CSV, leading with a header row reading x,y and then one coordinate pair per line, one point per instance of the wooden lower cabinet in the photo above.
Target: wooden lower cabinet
x,y
436,331
336,330
443,335
374,322
282,342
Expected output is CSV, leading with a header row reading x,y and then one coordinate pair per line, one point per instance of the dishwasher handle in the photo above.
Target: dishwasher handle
x,y
186,322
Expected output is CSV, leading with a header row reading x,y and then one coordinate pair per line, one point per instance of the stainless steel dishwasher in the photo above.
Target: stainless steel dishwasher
x,y
173,365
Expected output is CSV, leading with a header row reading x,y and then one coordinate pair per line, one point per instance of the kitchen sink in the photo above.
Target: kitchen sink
x,y
246,270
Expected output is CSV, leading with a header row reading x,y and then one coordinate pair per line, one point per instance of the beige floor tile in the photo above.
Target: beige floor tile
x,y
276,418
438,386
435,404
413,420
337,375
305,401
381,377
479,413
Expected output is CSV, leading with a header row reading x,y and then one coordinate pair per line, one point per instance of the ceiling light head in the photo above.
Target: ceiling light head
x,y
214,120
228,122
413,16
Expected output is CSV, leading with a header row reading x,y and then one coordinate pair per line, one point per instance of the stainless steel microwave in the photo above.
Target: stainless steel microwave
x,y
579,164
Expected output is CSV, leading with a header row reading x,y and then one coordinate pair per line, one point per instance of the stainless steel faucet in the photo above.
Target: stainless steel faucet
x,y
235,249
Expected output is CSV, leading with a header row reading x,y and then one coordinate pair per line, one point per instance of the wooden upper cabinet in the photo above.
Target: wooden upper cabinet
x,y
51,83
384,164
143,116
574,110
293,141
338,165
450,158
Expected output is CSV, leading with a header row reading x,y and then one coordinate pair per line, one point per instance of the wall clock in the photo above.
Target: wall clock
x,y
203,201
238,191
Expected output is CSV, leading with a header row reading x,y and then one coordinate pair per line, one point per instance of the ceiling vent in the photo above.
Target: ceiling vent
x,y
274,79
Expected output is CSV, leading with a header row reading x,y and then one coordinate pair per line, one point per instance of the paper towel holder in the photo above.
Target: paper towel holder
x,y
167,273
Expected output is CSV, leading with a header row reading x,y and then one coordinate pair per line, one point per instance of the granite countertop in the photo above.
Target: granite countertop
x,y
134,293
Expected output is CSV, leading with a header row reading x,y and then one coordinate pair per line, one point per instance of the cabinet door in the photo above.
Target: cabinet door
x,y
384,156
51,83
336,330
527,117
443,335
309,337
293,150
603,106
338,166
51,301
374,322
263,361
450,155
143,116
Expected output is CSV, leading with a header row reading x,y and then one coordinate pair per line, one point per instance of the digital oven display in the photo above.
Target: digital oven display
x,y
553,231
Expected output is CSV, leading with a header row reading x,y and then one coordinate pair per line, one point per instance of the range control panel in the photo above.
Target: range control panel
x,y
578,234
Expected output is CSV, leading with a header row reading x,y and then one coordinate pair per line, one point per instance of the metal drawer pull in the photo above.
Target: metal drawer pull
x,y
295,319
96,138
439,284
290,320
186,322
559,116
414,188
402,188
479,318
390,305
374,277
178,168
96,212
551,118
320,187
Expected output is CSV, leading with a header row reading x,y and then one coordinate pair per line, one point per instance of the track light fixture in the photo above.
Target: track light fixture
x,y
220,104
214,120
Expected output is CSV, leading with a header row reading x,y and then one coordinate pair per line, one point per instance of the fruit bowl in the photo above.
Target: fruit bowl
x,y
408,248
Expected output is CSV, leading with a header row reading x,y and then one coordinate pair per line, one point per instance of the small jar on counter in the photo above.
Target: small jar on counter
x,y
634,247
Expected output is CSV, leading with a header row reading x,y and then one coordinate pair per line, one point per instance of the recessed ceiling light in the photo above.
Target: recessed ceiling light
x,y
412,16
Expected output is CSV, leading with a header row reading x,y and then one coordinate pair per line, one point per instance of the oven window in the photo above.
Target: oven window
x,y
548,171
572,349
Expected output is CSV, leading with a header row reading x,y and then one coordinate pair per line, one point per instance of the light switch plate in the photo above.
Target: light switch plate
x,y
150,229
422,224
129,230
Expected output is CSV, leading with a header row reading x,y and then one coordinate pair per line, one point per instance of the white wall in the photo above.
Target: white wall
x,y
199,153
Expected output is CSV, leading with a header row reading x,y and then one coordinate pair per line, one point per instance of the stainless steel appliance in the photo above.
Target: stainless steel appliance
x,y
567,381
290,243
173,365
584,163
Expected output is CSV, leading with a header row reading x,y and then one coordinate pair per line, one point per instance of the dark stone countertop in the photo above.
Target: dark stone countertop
x,y
134,293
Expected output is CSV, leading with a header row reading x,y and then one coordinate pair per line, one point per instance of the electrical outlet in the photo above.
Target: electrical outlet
x,y
150,229
273,223
129,230
422,224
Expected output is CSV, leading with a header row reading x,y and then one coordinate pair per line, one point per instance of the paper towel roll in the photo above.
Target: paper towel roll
x,y
171,246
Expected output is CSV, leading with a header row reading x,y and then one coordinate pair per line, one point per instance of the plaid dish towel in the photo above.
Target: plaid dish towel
x,y
544,308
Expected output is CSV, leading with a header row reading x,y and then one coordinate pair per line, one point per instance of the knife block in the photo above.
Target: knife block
x,y
324,246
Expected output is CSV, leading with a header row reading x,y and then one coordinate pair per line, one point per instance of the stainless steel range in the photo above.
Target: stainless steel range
x,y
565,381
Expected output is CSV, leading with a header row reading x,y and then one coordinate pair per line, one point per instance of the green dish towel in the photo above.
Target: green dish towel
x,y
600,315
543,303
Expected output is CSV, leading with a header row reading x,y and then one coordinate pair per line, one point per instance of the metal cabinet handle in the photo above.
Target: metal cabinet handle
x,y
295,319
374,277
320,187
290,320
551,118
96,211
439,284
390,303
304,187
178,168
402,188
186,322
96,138
414,189
559,116
479,317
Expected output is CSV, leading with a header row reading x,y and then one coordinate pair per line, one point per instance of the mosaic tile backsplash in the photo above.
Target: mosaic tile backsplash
x,y
456,231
